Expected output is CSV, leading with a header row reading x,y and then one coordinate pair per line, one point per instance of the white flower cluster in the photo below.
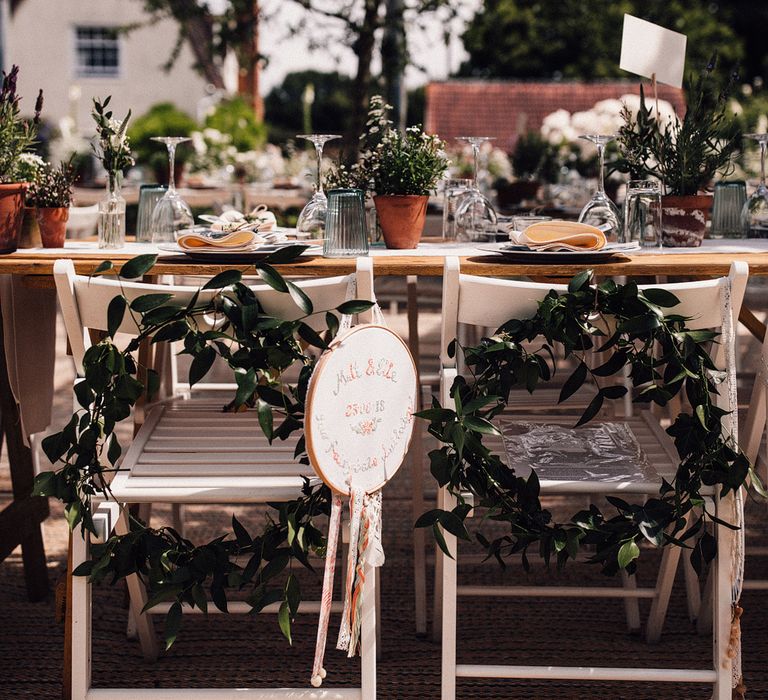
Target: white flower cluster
x,y
561,127
494,162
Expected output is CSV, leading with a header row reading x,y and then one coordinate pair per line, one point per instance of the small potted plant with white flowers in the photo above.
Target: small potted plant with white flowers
x,y
51,195
401,169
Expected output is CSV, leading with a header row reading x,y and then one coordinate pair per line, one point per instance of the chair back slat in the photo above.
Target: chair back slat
x,y
85,300
489,302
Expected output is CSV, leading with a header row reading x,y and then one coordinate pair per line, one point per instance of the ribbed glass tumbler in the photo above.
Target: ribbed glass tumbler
x,y
346,234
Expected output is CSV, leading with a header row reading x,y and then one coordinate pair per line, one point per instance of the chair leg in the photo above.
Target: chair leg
x,y
449,606
692,588
704,620
437,603
419,541
631,605
177,517
722,612
137,595
664,583
368,637
81,621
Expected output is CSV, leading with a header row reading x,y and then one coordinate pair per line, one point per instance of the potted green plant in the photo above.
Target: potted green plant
x,y
528,158
16,136
51,195
401,169
28,166
683,154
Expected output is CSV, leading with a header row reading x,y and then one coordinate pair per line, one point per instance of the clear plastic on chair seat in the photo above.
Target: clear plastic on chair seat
x,y
606,452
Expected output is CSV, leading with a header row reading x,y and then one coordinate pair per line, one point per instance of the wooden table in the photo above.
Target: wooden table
x,y
39,264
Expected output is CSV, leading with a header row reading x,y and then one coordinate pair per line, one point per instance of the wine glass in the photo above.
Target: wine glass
x,y
600,211
475,215
311,221
754,214
171,213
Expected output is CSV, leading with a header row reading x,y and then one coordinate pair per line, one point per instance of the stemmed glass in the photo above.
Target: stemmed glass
x,y
475,215
600,211
171,213
311,221
754,214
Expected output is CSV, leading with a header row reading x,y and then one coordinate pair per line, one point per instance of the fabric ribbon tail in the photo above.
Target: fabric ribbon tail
x,y
318,672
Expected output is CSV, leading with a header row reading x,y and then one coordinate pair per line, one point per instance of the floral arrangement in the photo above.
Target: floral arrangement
x,y
391,162
408,164
52,187
27,169
112,147
685,154
495,163
16,134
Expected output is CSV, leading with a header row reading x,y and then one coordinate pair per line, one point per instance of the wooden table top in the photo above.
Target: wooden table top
x,y
692,264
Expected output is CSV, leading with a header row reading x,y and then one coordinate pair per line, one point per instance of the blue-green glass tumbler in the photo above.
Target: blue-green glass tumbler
x,y
730,197
346,235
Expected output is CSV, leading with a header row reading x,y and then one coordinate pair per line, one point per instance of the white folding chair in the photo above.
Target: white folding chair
x,y
465,300
188,451
82,221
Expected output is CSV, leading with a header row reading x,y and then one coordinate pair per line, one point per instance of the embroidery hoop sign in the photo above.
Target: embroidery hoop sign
x,y
360,404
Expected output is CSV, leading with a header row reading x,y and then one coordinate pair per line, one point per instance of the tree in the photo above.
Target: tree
x,y
211,36
580,40
330,112
360,22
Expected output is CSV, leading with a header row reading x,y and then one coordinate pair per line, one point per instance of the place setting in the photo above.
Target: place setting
x,y
234,237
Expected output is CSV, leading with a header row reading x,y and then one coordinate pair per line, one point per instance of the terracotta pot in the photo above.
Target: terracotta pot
x,y
512,193
11,215
401,217
53,225
684,220
30,231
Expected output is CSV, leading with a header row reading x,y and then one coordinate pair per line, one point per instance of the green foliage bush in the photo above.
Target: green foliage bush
x,y
162,119
235,116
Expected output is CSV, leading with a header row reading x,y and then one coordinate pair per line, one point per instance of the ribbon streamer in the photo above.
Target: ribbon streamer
x,y
318,672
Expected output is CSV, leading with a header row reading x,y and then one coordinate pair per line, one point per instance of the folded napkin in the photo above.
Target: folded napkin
x,y
559,236
206,239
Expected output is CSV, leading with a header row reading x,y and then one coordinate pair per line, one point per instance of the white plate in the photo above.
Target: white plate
x,y
227,255
516,253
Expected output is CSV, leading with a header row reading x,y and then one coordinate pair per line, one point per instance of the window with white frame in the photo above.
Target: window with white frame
x,y
97,52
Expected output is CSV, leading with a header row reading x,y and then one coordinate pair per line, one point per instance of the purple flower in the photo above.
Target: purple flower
x,y
38,107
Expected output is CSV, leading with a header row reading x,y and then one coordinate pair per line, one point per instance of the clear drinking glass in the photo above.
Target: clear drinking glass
x,y
346,234
475,215
149,196
171,213
754,215
311,221
730,197
600,210
642,214
522,222
452,191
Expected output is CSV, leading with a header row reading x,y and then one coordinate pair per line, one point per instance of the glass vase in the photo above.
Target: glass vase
x,y
112,215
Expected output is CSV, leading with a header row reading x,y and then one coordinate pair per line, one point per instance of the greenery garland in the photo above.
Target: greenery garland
x,y
664,358
258,348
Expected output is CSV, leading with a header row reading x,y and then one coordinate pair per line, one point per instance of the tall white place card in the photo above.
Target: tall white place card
x,y
653,51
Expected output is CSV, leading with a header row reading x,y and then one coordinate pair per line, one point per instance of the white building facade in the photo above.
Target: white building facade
x,y
75,50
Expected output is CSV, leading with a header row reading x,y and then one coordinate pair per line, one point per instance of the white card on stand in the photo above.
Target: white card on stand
x,y
650,50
